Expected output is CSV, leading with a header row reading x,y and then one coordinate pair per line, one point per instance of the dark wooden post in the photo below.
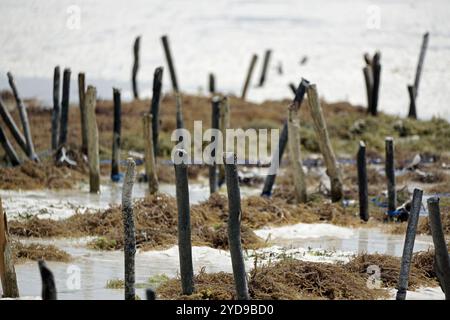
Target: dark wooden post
x,y
249,76
362,182
173,76
7,270
325,146
136,48
390,174
412,102
215,123
81,98
212,83
154,108
93,153
24,118
423,50
64,109
224,124
9,149
150,294
115,161
265,68
376,71
184,225
409,244
441,257
129,230
368,79
179,111
48,282
234,227
283,139
56,107
9,121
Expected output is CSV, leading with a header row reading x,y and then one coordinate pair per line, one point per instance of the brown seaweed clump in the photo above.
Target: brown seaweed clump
x,y
289,279
37,251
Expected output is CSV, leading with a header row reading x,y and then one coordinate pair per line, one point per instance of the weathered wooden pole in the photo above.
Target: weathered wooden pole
x,y
441,256
48,282
173,76
215,123
412,102
150,163
265,68
249,76
9,121
423,50
325,144
390,174
224,124
409,244
9,149
293,88
362,182
136,48
184,225
93,153
56,107
81,98
154,109
64,109
7,270
294,152
376,72
368,79
115,161
211,83
234,227
283,139
24,119
179,110
129,229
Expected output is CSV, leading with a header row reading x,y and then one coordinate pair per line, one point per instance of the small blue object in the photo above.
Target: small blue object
x,y
117,177
394,213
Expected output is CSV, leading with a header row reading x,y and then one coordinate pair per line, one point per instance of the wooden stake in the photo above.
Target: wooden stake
x,y
212,83
412,102
115,175
93,155
56,108
390,174
265,68
24,118
64,109
156,99
294,152
184,226
9,121
362,182
249,76
48,282
409,244
173,76
376,71
129,230
368,79
136,48
150,165
324,143
441,256
224,124
234,227
7,270
9,149
215,120
179,111
81,98
423,50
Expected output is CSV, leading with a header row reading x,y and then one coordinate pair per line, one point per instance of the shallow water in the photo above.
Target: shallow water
x,y
97,267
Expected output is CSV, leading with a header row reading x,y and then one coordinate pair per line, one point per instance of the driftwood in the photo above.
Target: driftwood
x,y
249,76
